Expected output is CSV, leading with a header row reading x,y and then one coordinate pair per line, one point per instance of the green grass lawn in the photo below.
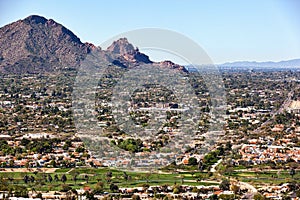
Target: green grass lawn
x,y
62,170
137,179
96,175
268,177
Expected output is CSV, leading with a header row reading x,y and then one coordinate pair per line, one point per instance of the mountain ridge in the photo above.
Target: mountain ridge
x,y
36,44
267,64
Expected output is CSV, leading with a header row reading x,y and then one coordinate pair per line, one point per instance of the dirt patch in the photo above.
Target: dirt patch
x,y
45,170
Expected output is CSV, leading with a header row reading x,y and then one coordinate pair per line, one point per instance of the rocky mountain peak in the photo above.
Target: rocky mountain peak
x,y
126,54
35,19
122,47
39,44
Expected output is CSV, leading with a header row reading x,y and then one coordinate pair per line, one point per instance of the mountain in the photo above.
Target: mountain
x,y
36,44
246,64
124,54
170,64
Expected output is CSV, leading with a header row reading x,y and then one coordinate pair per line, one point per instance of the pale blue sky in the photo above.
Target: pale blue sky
x,y
228,30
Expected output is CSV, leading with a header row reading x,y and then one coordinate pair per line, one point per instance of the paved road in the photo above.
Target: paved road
x,y
250,187
251,190
283,107
213,167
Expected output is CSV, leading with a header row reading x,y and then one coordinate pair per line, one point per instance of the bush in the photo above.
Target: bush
x,y
225,184
195,190
176,191
39,195
226,197
135,197
192,161
258,196
65,188
20,191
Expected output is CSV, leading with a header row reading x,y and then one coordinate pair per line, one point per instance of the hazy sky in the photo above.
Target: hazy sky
x,y
228,30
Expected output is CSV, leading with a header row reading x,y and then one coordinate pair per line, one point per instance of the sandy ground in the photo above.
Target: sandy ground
x,y
295,105
46,170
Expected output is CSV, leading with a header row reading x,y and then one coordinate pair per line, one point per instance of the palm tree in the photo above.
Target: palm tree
x,y
63,178
74,176
86,178
292,172
56,178
108,176
26,179
147,176
182,179
50,179
125,176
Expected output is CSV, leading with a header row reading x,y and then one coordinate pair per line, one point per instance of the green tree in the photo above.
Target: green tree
x,y
11,163
235,189
39,195
65,188
86,177
258,196
225,184
90,195
176,191
292,172
114,188
63,178
56,178
99,188
192,161
80,149
50,179
227,197
135,197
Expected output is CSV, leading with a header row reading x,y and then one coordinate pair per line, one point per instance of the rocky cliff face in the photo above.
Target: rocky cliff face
x,y
123,52
170,64
36,44
121,47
